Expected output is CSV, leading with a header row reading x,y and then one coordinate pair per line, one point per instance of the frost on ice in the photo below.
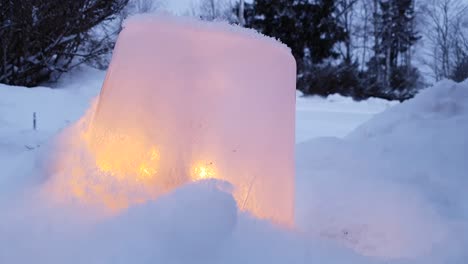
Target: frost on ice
x,y
186,101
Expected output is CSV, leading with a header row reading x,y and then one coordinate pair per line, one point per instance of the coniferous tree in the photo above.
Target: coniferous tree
x,y
309,28
390,72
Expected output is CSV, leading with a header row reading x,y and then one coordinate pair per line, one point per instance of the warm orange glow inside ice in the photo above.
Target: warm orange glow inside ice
x,y
124,170
129,172
170,114
203,171
124,156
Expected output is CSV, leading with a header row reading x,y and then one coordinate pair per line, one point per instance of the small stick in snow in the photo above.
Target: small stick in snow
x,y
34,120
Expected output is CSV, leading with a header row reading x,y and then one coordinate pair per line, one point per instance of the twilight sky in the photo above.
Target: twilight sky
x,y
178,6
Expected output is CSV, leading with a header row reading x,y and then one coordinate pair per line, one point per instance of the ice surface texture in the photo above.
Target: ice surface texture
x,y
186,100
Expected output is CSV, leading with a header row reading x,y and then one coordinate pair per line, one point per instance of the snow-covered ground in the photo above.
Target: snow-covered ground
x,y
334,116
396,186
372,187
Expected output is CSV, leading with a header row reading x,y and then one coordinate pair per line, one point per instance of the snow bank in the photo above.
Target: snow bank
x,y
55,109
185,100
396,186
196,223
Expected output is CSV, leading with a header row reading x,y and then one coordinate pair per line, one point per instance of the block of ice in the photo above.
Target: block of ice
x,y
186,100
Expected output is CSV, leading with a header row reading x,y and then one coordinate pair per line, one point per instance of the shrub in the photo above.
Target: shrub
x,y
40,39
329,79
460,72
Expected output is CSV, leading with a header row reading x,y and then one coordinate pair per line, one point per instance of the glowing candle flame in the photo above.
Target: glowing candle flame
x,y
203,171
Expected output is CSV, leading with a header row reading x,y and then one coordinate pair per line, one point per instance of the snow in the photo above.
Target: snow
x,y
34,228
397,184
55,109
391,191
376,182
333,116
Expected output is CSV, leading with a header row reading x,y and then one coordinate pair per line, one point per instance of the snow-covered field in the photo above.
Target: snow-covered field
x,y
334,116
388,190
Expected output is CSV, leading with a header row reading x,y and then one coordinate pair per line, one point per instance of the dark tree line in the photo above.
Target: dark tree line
x,y
390,70
358,48
40,39
291,22
314,30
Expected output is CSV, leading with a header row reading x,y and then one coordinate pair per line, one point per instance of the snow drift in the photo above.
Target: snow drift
x,y
396,186
195,223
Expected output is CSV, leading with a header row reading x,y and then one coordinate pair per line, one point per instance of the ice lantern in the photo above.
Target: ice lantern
x,y
187,100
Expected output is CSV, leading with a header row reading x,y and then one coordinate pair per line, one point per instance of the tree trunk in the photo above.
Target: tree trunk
x,y
388,66
213,9
241,13
376,38
366,34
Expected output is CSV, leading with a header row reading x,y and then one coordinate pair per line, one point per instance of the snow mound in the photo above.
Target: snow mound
x,y
195,223
427,138
446,101
189,223
396,186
